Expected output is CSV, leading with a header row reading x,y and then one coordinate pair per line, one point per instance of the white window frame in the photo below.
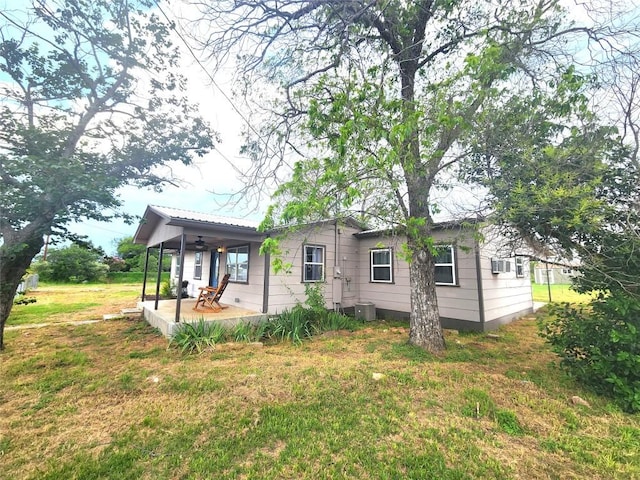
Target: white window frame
x,y
197,265
373,266
235,250
520,267
305,263
452,265
177,272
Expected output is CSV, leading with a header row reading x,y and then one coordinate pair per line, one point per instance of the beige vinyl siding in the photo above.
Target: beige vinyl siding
x,y
287,288
164,232
189,264
457,302
246,295
348,261
505,294
394,296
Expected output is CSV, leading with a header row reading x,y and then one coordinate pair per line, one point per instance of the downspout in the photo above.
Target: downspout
x,y
476,247
158,277
183,244
265,282
336,265
144,278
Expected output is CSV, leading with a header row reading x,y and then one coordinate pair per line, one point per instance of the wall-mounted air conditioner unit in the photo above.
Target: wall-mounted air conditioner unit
x,y
500,265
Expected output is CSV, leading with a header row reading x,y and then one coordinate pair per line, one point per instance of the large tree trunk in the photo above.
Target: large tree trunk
x,y
16,254
425,328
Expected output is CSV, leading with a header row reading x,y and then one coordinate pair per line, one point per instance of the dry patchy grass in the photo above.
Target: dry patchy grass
x,y
109,400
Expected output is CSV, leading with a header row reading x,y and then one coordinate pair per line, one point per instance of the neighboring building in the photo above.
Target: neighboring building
x,y
476,288
555,272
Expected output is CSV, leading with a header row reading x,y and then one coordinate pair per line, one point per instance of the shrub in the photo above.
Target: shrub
x,y
24,300
198,336
599,344
165,289
74,264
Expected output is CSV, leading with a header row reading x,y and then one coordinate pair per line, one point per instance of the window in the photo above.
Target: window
x,y
313,265
567,271
519,267
445,273
197,271
238,264
381,267
177,272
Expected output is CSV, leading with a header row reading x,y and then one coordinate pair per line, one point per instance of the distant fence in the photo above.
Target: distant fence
x,y
29,283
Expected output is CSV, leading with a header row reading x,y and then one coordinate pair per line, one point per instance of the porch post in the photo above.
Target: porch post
x,y
160,255
265,283
144,279
183,244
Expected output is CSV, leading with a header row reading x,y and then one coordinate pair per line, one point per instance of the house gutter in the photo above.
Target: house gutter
x,y
476,247
265,282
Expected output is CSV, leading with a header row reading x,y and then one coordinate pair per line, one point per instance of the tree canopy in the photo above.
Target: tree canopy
x,y
75,263
92,99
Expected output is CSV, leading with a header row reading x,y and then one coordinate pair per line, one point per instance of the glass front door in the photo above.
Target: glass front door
x,y
214,269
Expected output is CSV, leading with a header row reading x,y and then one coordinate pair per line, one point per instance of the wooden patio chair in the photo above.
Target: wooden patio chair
x,y
210,296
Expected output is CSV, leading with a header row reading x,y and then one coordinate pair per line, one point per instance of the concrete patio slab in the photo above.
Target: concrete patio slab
x,y
164,317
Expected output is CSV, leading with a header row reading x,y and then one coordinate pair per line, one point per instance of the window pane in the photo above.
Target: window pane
x,y
313,273
313,255
238,263
444,275
242,275
444,255
382,274
381,257
197,273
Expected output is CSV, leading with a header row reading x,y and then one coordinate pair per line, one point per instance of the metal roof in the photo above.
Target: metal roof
x,y
190,215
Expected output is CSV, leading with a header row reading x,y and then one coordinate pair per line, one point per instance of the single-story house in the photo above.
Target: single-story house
x,y
555,272
358,268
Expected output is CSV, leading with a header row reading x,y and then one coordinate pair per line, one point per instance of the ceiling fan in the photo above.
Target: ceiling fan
x,y
199,244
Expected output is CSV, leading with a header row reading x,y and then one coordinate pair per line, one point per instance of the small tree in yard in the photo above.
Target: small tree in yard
x,y
379,100
74,264
91,101
134,256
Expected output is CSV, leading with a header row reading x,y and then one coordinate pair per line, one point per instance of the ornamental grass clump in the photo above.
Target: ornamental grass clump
x,y
249,332
294,325
198,337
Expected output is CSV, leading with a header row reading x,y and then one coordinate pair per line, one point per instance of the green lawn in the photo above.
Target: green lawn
x,y
73,302
559,293
109,400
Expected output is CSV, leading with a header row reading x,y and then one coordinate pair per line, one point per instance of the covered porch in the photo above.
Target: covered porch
x,y
164,316
204,248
